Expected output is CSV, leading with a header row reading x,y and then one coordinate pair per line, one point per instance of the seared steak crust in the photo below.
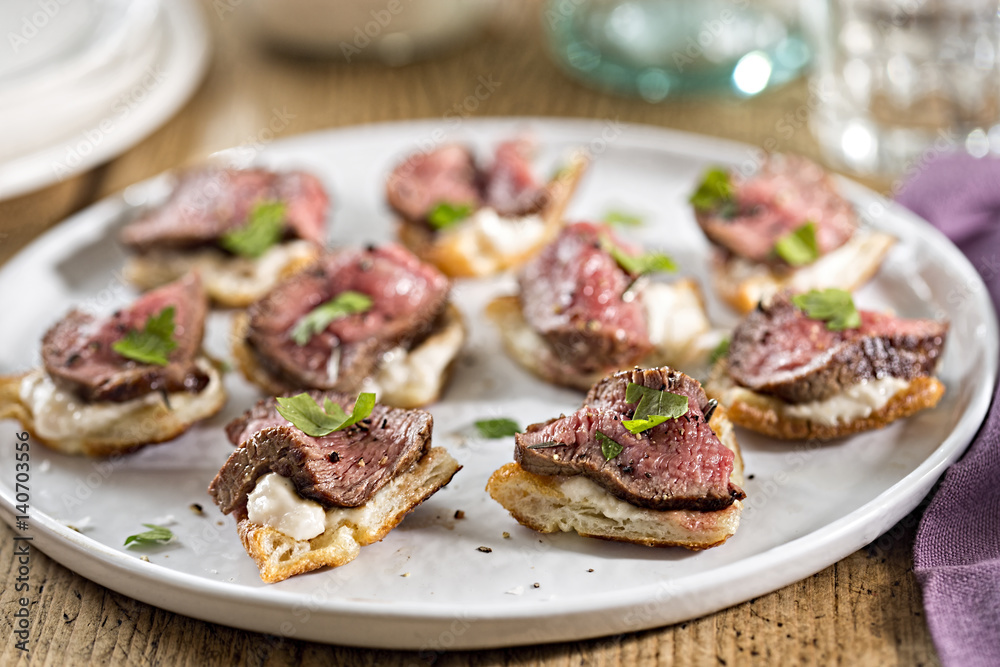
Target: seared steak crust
x,y
408,296
679,464
77,351
573,294
343,469
208,202
784,194
778,350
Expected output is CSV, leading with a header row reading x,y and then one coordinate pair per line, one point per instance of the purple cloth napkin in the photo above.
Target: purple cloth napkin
x,y
957,551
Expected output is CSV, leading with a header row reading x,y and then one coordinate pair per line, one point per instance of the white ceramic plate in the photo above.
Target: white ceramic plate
x,y
807,506
91,79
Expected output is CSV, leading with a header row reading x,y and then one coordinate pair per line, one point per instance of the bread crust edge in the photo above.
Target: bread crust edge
x,y
164,424
343,543
762,417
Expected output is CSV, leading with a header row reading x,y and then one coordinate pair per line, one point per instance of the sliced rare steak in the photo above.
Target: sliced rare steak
x,y
510,185
778,350
609,393
785,193
424,180
77,352
573,295
407,298
343,469
449,174
208,202
679,464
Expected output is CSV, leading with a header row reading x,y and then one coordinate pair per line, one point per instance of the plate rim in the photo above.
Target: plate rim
x,y
890,505
186,54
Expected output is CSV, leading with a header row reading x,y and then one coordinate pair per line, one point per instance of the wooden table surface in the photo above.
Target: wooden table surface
x,y
864,610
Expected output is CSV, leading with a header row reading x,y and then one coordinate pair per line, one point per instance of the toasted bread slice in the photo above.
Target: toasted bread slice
x,y
770,415
70,426
679,328
742,284
465,251
404,381
279,556
230,281
554,503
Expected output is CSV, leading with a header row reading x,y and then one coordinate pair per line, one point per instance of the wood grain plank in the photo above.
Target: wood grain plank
x,y
864,610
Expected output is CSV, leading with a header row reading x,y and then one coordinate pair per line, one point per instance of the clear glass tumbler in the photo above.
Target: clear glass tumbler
x,y
896,79
659,48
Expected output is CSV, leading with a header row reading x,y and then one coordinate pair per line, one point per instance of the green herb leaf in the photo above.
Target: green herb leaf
x,y
307,415
154,343
721,350
833,306
497,428
622,219
637,426
155,535
319,318
654,407
264,227
799,247
445,214
609,448
714,191
638,265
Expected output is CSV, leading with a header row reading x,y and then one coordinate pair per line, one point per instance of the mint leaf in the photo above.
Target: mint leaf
x,y
622,219
721,350
497,428
264,227
638,265
636,426
155,535
609,448
654,407
445,214
799,246
307,415
319,318
154,343
714,190
833,306
561,171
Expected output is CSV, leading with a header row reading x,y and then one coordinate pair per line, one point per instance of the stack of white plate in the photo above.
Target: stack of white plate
x,y
81,81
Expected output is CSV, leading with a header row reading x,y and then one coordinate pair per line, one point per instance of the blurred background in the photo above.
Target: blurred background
x,y
98,94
